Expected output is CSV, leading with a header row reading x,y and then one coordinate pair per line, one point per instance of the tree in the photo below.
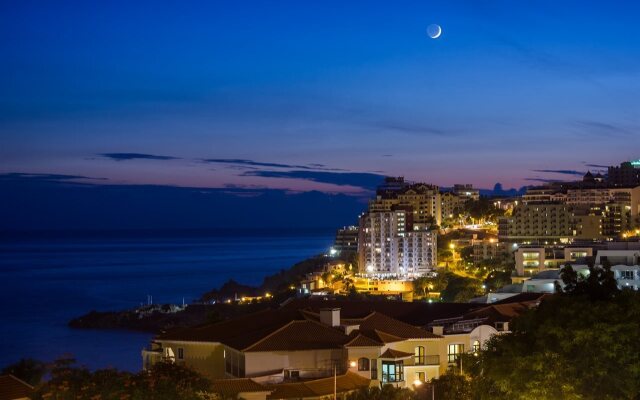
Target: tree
x,y
452,386
165,381
27,369
421,286
599,283
575,345
387,392
460,289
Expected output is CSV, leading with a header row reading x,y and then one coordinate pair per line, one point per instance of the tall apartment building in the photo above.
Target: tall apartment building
x,y
451,204
346,239
627,174
422,199
466,191
595,207
533,222
390,245
544,195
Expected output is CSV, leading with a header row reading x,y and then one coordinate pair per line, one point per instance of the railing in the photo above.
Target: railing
x,y
427,360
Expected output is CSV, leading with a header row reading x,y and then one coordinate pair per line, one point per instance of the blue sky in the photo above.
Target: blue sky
x,y
301,91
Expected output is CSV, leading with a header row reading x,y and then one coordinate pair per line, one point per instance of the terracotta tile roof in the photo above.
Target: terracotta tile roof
x,y
231,387
382,337
290,328
319,387
498,312
290,391
360,340
240,332
415,313
523,298
391,326
13,388
301,335
395,354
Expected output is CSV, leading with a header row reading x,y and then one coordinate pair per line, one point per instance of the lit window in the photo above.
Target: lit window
x,y
454,351
419,355
626,274
476,346
392,371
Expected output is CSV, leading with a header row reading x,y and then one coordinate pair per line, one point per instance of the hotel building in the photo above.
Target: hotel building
x,y
389,247
309,342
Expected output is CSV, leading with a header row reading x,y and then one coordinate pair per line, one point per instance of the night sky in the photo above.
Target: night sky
x,y
324,95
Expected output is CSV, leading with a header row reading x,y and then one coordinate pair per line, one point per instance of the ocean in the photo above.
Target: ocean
x,y
48,279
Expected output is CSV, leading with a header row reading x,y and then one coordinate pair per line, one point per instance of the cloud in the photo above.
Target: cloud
x,y
244,162
597,166
36,177
414,129
560,171
135,156
544,180
364,180
603,128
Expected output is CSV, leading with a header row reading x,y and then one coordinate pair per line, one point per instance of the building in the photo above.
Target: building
x,y
545,194
531,260
490,249
422,200
466,192
346,240
390,245
285,350
627,277
597,209
538,222
293,345
451,204
12,388
627,174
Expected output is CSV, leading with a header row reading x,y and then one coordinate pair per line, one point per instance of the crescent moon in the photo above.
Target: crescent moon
x,y
434,31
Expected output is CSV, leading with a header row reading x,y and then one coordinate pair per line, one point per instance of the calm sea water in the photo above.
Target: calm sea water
x,y
48,280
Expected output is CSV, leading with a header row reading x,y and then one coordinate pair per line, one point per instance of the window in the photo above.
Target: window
x,y
476,346
626,274
180,353
374,368
363,364
420,376
419,356
454,351
392,371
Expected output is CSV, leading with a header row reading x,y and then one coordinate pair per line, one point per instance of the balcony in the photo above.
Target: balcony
x,y
152,356
424,360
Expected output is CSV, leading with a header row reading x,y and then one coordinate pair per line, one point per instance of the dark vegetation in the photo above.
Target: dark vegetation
x,y
579,344
68,381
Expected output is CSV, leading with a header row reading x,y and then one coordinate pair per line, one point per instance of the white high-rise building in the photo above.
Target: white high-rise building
x,y
389,247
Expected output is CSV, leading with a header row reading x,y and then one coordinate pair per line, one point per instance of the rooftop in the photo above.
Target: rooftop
x,y
13,388
232,387
319,387
297,326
